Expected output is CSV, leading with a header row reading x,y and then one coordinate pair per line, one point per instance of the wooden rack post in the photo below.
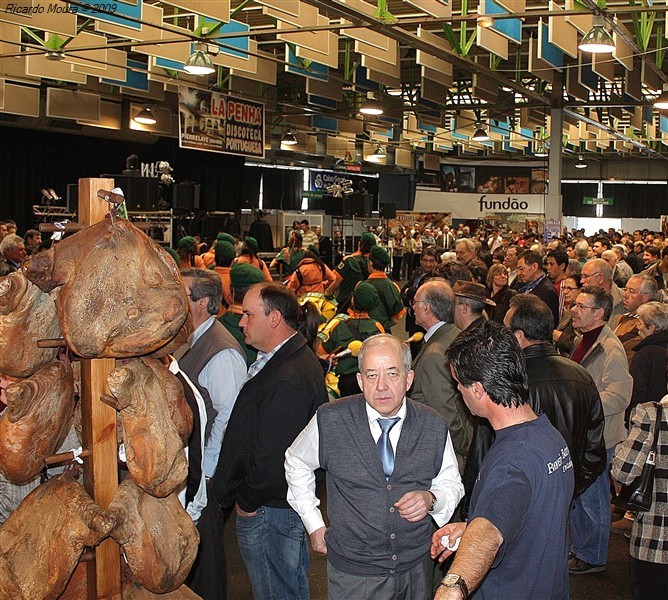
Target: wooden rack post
x,y
103,574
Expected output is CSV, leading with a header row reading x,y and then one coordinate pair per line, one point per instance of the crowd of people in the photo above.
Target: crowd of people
x,y
475,458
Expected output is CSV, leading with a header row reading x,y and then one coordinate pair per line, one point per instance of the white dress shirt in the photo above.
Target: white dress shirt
x,y
302,459
432,330
223,377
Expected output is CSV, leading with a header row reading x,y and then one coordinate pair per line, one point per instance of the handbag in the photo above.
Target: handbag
x,y
637,495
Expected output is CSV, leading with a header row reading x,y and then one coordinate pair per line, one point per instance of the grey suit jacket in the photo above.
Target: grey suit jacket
x,y
433,385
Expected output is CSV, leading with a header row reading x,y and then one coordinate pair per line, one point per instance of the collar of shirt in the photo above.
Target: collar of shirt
x,y
432,330
199,332
529,287
373,415
263,358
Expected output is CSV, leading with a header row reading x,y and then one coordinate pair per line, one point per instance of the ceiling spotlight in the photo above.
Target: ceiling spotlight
x,y
485,21
581,164
541,150
199,62
54,55
481,134
379,151
146,116
371,106
662,101
599,39
288,139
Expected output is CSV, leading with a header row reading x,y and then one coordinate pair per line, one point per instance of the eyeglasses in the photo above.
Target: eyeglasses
x,y
414,302
630,291
583,276
583,306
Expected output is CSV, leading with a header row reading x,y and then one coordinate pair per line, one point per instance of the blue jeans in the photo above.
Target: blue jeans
x,y
590,519
274,547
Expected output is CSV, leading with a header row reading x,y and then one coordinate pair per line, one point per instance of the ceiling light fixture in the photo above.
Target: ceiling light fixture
x,y
541,150
599,39
581,164
146,116
54,55
371,106
662,101
199,62
485,21
481,134
379,151
289,138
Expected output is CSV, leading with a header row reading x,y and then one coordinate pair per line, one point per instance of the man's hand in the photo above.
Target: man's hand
x,y
414,506
243,513
454,531
318,541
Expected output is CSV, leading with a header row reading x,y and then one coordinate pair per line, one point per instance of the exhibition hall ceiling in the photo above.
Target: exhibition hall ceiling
x,y
440,70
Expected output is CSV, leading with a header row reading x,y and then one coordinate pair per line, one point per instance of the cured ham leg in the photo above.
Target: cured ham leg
x,y
27,314
36,421
158,537
42,540
157,422
133,591
122,294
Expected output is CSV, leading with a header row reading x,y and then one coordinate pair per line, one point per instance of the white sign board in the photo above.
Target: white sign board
x,y
474,206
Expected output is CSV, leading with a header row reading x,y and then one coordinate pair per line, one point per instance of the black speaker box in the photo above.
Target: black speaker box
x,y
141,193
388,210
398,188
357,205
185,195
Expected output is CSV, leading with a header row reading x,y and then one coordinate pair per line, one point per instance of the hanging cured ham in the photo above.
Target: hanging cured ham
x,y
158,537
157,422
36,421
27,314
42,540
133,591
122,294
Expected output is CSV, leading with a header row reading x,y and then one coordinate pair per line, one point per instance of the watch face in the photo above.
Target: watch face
x,y
451,579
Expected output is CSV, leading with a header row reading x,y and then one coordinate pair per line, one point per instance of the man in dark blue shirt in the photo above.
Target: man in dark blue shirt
x,y
515,544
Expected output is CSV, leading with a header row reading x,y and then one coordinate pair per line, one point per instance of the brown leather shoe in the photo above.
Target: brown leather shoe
x,y
622,526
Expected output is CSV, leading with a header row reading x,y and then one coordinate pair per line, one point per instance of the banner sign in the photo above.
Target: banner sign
x,y
220,123
407,219
476,206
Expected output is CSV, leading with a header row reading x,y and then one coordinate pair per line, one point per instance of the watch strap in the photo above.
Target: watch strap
x,y
456,580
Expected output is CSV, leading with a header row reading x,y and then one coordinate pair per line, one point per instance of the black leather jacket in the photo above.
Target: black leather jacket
x,y
567,394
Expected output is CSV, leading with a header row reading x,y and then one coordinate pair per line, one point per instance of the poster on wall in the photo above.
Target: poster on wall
x,y
220,123
406,219
457,179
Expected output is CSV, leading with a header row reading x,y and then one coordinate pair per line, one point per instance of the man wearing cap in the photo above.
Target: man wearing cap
x,y
470,301
432,385
215,364
225,254
390,308
390,470
343,329
242,276
351,270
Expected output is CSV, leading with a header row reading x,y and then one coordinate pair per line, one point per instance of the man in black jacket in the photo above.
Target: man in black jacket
x,y
284,388
560,388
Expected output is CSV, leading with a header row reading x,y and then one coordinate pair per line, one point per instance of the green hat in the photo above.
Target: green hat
x,y
224,250
243,275
365,297
172,253
368,240
314,250
379,255
226,237
186,242
252,242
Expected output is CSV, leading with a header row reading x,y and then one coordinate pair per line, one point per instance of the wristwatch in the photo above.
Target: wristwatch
x,y
432,506
453,580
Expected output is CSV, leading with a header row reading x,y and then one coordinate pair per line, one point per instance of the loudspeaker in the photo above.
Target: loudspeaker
x,y
398,188
185,195
357,205
141,193
388,210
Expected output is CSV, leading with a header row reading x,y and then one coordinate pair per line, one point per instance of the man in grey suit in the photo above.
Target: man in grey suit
x,y
432,384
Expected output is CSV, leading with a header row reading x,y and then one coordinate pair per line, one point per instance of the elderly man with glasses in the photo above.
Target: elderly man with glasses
x,y
599,273
600,352
640,289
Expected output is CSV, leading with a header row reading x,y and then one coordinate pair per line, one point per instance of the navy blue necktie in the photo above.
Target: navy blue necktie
x,y
385,447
